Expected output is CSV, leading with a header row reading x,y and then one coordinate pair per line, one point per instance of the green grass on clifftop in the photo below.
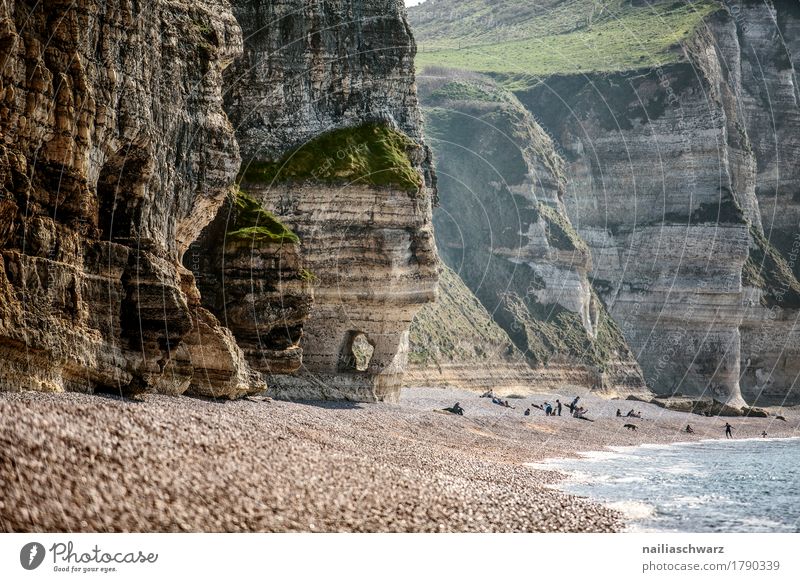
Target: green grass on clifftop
x,y
554,36
372,154
252,224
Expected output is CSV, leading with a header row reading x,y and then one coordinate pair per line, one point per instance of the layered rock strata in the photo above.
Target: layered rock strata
x,y
250,274
663,188
115,154
325,109
503,225
681,178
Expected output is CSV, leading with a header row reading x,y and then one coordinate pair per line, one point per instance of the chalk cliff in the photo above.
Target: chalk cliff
x,y
677,124
326,114
503,225
115,153
132,262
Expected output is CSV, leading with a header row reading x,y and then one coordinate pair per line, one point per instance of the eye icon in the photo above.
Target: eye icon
x,y
31,555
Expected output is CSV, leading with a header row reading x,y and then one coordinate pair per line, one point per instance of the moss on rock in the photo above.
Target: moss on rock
x,y
373,154
250,222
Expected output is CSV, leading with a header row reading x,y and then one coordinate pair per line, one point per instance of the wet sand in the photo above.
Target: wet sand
x,y
74,462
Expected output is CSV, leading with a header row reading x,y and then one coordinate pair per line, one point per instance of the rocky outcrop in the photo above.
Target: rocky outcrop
x,y
326,114
250,274
680,170
115,154
503,224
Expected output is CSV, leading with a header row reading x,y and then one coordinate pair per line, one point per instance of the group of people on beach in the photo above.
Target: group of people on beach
x,y
549,409
575,409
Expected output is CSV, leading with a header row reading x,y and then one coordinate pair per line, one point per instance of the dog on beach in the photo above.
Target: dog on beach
x,y
630,426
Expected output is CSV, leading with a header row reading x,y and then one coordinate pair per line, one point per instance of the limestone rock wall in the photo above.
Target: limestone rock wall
x,y
503,227
115,153
310,69
678,186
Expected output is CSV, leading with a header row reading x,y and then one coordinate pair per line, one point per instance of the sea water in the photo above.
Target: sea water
x,y
746,485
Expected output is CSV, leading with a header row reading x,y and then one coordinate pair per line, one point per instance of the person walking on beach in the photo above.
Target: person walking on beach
x,y
558,407
574,404
728,428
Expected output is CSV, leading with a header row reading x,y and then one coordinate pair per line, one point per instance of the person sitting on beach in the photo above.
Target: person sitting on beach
x,y
455,409
488,394
497,401
507,405
689,429
764,434
580,412
527,412
619,413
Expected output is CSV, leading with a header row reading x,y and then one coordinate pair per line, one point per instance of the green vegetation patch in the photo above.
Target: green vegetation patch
x,y
373,154
250,223
560,233
583,36
463,91
553,330
766,269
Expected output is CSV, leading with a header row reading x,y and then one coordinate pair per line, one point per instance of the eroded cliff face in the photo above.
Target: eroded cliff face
x,y
663,188
503,226
455,342
326,114
680,164
115,153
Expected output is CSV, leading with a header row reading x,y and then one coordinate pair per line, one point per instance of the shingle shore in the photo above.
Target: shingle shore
x,y
74,462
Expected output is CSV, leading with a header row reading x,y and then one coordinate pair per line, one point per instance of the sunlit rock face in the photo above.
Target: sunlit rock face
x,y
669,184
366,241
678,128
116,152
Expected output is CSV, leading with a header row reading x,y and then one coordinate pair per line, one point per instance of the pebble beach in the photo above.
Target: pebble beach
x,y
92,463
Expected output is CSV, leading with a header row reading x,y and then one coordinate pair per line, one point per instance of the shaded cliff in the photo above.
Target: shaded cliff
x,y
503,225
454,342
116,152
679,143
326,114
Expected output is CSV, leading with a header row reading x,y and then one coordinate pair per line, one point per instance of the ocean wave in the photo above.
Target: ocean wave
x,y
633,509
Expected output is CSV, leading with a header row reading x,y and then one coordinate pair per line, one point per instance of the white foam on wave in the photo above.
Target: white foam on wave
x,y
602,455
633,509
629,479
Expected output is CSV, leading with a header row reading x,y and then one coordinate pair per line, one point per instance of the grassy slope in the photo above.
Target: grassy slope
x,y
570,36
457,329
